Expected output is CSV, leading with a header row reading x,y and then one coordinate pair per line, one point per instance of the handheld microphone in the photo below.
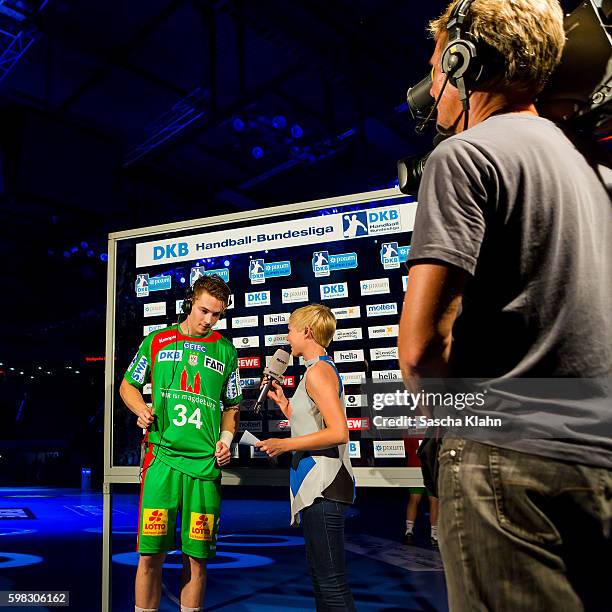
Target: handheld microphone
x,y
274,372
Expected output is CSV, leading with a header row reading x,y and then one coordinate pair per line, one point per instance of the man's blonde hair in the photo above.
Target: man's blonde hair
x,y
528,34
319,319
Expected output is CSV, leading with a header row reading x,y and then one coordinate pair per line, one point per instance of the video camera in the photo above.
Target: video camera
x,y
579,94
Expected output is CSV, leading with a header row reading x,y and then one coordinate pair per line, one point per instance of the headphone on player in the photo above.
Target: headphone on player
x,y
469,63
187,304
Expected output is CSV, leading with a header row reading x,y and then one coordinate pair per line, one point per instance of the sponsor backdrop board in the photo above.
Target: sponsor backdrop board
x,y
347,253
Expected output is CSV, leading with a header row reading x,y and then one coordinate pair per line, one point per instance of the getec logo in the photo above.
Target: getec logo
x,y
334,291
170,251
348,356
295,294
257,298
379,310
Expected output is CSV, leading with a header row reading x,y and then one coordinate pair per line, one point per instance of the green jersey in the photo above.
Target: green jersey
x,y
192,380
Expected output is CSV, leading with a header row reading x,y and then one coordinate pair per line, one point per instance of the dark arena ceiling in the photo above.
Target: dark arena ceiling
x,y
116,115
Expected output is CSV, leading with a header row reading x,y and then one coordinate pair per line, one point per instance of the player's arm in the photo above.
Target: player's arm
x,y
134,400
231,397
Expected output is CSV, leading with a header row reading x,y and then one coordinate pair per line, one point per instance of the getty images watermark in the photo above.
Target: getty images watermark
x,y
427,402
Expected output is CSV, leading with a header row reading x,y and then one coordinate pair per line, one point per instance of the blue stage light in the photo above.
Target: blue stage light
x,y
182,279
279,122
297,131
103,257
238,560
257,152
90,253
84,245
226,263
17,560
238,124
281,540
74,249
66,254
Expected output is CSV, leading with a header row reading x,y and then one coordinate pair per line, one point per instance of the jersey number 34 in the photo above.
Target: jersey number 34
x,y
195,418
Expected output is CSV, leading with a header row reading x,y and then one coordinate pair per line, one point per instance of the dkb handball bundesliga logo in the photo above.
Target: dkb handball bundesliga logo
x,y
355,224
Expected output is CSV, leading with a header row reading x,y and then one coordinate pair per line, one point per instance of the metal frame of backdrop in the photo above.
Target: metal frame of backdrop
x,y
365,476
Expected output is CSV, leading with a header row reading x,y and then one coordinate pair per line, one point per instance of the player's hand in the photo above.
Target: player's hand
x,y
145,418
273,446
222,453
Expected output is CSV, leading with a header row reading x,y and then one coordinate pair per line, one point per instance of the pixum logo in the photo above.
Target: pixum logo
x,y
294,294
348,356
352,378
390,449
334,291
323,262
154,309
374,286
275,340
379,310
259,270
239,322
257,298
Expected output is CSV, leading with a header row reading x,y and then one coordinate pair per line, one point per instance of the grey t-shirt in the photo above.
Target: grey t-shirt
x,y
515,204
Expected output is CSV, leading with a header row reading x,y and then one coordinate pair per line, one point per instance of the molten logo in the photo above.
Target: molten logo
x,y
202,526
154,522
185,386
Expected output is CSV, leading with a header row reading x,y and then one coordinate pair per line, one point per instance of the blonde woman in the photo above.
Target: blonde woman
x,y
321,477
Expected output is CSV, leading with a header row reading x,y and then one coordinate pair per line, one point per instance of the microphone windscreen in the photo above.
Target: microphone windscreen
x,y
278,364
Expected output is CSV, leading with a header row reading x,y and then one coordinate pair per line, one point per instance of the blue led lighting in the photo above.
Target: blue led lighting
x,y
257,152
17,560
297,131
279,122
103,257
182,279
238,124
237,560
84,245
281,540
226,263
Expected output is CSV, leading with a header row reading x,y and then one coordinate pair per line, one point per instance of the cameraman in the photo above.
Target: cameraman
x,y
514,228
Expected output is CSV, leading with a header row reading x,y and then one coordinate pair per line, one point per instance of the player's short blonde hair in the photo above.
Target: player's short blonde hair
x,y
319,319
528,34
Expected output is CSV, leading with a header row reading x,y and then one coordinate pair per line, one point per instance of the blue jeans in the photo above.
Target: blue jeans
x,y
323,524
522,532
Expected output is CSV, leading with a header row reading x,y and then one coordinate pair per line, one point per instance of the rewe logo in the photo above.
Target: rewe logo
x,y
170,251
289,381
201,526
154,522
249,362
358,424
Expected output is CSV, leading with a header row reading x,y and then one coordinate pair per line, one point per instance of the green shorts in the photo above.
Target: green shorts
x,y
163,493
416,490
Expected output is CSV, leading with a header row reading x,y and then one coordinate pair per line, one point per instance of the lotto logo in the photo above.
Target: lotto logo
x,y
201,527
154,522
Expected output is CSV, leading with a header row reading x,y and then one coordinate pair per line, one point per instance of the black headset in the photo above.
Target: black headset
x,y
468,63
187,304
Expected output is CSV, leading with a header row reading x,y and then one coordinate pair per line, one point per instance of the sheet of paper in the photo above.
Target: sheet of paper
x,y
248,439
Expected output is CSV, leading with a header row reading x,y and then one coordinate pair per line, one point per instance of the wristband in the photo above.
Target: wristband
x,y
226,437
